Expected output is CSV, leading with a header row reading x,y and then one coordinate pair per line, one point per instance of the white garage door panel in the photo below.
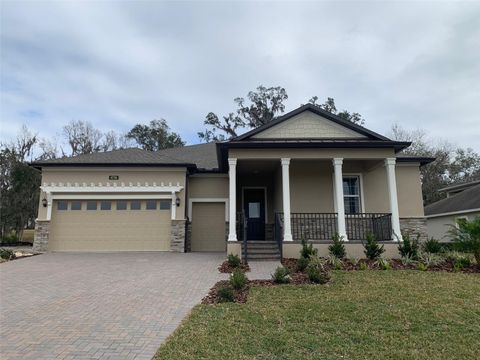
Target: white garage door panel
x,y
110,230
208,227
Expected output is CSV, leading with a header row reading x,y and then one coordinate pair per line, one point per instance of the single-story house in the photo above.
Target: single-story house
x,y
462,203
305,175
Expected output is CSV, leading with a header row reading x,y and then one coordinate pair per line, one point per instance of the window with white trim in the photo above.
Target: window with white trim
x,y
351,194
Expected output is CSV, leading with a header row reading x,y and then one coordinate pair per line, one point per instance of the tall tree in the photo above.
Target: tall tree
x,y
155,136
260,107
329,105
82,137
451,164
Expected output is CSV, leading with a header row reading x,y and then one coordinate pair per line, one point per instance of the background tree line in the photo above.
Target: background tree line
x,y
19,183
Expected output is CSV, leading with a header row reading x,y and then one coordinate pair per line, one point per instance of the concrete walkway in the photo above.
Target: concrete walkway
x,y
262,270
98,306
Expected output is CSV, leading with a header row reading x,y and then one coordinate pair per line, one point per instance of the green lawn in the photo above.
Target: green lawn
x,y
360,315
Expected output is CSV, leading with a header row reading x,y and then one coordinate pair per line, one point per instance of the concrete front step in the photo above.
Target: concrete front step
x,y
263,251
262,257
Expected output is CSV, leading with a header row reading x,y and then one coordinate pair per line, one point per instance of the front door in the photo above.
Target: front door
x,y
254,209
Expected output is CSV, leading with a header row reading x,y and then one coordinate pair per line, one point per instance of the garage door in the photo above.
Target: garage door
x,y
133,225
208,227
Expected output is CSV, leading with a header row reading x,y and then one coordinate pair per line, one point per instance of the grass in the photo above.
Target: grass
x,y
360,315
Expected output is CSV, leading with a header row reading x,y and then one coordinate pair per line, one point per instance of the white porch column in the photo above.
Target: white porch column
x,y
287,227
392,194
338,191
232,177
49,206
174,206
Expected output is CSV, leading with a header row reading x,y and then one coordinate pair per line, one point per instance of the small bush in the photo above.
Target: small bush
x,y
408,260
337,249
233,260
316,271
421,266
225,294
302,264
238,279
462,263
466,236
432,246
281,275
384,264
7,254
431,259
307,250
458,259
409,247
354,261
10,239
363,266
372,249
335,262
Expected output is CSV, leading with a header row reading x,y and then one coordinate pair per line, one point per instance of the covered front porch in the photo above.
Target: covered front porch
x,y
285,200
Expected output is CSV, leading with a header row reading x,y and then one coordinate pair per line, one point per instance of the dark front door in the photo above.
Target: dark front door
x,y
254,209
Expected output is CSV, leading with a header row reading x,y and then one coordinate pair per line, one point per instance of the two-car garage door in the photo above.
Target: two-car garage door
x,y
133,225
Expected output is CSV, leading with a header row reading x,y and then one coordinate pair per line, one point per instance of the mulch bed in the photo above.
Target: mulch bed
x,y
227,269
448,266
240,296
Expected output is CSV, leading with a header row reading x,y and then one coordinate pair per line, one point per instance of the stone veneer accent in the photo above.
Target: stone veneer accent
x,y
42,231
414,227
178,231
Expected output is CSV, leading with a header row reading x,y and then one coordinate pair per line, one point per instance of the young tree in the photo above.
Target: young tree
x,y
329,105
260,107
155,136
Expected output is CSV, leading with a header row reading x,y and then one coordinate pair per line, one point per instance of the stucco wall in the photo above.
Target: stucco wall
x,y
356,250
438,226
126,175
208,186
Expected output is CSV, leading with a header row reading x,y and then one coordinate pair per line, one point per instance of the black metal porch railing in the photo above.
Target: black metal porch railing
x,y
323,226
358,226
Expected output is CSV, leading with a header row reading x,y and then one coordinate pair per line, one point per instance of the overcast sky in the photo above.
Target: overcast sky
x,y
116,64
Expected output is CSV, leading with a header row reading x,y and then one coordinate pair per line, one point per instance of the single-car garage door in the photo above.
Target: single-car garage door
x,y
119,225
208,226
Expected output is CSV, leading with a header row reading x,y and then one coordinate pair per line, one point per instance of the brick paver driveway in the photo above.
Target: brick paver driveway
x,y
98,306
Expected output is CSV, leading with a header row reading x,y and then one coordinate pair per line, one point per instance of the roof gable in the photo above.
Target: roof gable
x,y
308,125
319,124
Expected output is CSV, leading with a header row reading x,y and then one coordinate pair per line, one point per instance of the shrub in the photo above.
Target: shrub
x,y
430,259
459,259
363,266
7,254
421,266
281,275
337,249
432,246
409,247
233,260
372,249
307,250
302,264
466,235
384,264
238,279
316,271
407,260
225,294
9,239
354,261
335,262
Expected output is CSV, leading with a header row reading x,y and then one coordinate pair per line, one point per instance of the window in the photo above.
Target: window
x,y
351,194
121,205
91,205
151,204
135,205
165,204
76,205
254,210
62,205
105,205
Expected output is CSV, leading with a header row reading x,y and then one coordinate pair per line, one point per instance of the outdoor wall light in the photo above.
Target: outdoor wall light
x,y
177,201
44,202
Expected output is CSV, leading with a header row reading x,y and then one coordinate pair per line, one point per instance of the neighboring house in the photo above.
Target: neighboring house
x,y
462,203
308,174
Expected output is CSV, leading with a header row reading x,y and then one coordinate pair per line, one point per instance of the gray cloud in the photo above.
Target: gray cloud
x,y
116,64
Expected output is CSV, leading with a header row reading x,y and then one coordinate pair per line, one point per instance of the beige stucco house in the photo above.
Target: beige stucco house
x,y
462,202
308,174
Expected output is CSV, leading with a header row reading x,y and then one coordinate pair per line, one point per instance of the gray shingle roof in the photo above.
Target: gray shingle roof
x,y
204,156
466,200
